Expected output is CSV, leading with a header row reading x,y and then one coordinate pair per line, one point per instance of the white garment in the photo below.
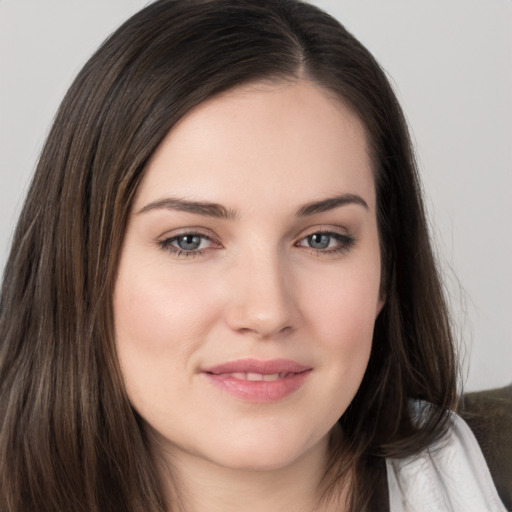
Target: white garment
x,y
450,477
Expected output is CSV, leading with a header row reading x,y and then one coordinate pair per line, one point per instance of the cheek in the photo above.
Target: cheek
x,y
342,311
345,309
159,324
154,308
349,341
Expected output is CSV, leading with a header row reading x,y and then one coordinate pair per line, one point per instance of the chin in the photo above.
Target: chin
x,y
255,462
261,453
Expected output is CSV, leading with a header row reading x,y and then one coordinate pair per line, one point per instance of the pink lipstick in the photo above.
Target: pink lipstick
x,y
258,381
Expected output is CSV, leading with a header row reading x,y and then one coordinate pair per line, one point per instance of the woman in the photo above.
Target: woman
x,y
221,291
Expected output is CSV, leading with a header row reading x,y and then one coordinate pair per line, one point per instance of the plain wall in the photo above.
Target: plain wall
x,y
451,65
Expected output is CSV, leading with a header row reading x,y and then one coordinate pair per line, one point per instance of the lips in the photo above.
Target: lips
x,y
255,377
258,381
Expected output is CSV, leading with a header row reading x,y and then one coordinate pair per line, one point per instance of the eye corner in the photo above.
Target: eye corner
x,y
326,241
188,243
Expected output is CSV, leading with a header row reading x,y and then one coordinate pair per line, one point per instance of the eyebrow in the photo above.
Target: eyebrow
x,y
197,207
221,212
330,204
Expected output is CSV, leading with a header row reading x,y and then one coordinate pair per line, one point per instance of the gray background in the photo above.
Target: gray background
x,y
451,65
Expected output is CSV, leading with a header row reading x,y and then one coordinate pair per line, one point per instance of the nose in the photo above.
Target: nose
x,y
263,302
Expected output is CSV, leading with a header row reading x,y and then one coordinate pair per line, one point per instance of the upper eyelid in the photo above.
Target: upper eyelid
x,y
176,233
210,235
334,234
167,240
166,243
336,230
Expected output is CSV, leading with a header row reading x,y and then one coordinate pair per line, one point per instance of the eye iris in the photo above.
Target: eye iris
x,y
319,241
189,242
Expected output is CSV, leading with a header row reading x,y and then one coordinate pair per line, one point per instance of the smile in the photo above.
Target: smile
x,y
258,381
258,376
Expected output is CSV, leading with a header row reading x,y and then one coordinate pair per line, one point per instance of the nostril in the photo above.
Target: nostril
x,y
265,332
264,307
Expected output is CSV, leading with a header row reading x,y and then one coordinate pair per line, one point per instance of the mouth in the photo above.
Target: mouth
x,y
258,381
256,377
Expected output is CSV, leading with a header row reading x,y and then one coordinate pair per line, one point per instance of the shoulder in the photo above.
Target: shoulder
x,y
451,475
489,415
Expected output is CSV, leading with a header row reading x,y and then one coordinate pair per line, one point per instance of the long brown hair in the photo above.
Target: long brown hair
x,y
70,440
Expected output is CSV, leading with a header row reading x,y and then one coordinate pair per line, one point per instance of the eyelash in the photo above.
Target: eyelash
x,y
166,244
345,242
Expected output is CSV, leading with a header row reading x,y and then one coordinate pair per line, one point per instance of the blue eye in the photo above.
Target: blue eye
x,y
327,242
319,241
187,244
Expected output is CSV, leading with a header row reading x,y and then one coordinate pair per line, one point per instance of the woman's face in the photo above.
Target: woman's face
x,y
248,283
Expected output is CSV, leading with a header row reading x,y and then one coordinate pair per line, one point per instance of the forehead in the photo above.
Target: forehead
x,y
289,141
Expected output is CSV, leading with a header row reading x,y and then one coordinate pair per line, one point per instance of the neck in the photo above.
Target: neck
x,y
198,485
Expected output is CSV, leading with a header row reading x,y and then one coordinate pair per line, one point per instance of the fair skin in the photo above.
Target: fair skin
x,y
279,280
